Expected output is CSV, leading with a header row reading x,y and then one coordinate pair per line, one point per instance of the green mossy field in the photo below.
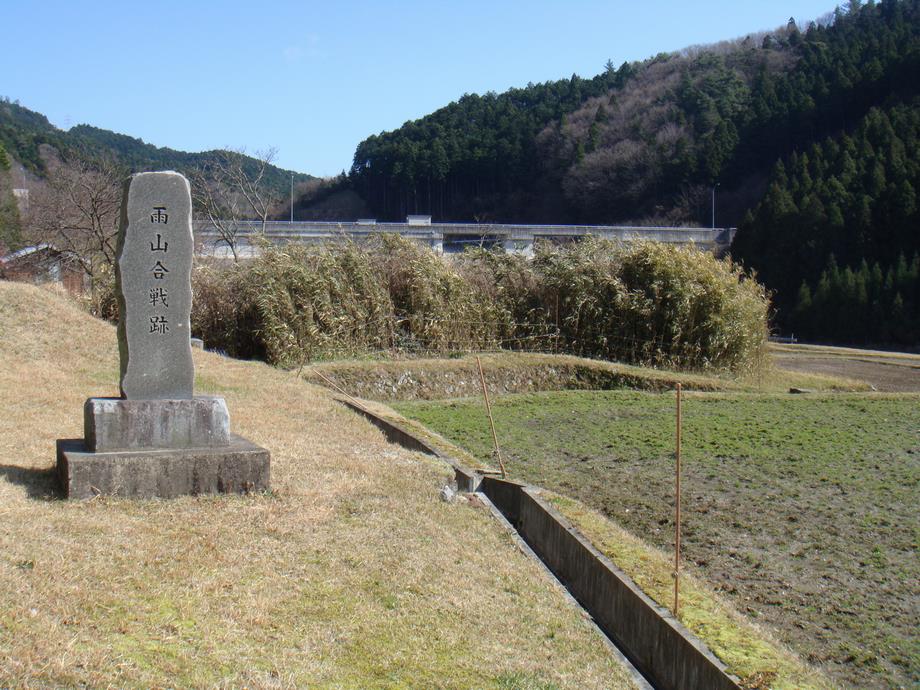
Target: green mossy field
x,y
801,509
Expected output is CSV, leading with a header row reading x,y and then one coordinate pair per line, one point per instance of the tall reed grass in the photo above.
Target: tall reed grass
x,y
643,303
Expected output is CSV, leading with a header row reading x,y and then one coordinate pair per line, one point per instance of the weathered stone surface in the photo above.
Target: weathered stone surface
x,y
111,424
157,440
241,467
153,276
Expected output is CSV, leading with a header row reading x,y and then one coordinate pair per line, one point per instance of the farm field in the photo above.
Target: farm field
x,y
801,509
889,372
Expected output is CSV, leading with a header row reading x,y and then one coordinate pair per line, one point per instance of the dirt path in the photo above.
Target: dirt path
x,y
891,372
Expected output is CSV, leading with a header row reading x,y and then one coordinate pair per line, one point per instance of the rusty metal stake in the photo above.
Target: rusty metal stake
x,y
485,395
677,508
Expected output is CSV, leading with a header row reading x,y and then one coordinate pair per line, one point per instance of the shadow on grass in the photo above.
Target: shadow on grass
x,y
39,483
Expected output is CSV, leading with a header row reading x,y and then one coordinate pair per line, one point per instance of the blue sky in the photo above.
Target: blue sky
x,y
314,79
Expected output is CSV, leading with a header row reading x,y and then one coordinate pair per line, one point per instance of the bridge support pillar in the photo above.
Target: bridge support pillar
x,y
519,245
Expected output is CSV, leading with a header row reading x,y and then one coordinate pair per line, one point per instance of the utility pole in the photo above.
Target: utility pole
x,y
714,204
292,198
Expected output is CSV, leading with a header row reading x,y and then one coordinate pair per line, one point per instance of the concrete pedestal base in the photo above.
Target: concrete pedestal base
x,y
240,467
114,424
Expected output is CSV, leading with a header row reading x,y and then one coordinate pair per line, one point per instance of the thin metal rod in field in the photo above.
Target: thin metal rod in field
x,y
485,395
677,508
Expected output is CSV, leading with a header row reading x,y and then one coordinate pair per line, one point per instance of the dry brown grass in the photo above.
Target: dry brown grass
x,y
889,372
350,573
907,358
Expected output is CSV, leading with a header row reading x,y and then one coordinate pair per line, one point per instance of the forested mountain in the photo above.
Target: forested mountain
x,y
807,135
850,199
23,132
807,132
476,156
10,230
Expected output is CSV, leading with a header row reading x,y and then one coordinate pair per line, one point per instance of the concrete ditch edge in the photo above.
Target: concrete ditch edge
x,y
467,480
637,677
668,655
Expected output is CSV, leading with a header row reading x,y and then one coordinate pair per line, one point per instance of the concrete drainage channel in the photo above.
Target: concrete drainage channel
x,y
667,654
664,652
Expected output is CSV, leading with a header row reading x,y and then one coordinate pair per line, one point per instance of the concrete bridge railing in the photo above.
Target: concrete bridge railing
x,y
452,237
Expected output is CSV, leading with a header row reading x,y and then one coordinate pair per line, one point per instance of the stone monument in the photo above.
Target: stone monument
x,y
158,439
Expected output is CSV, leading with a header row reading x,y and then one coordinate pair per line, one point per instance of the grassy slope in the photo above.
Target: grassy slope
x,y
351,573
801,508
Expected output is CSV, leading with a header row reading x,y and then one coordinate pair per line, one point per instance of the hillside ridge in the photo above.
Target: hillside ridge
x,y
23,132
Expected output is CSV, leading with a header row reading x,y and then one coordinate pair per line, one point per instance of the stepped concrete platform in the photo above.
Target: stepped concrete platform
x,y
239,467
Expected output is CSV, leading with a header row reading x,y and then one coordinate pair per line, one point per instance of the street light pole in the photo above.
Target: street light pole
x,y
714,204
292,197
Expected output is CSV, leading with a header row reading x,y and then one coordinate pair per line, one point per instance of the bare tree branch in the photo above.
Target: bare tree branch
x,y
220,206
77,214
231,189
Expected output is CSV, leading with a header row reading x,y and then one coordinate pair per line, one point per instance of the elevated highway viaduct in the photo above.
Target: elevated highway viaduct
x,y
452,237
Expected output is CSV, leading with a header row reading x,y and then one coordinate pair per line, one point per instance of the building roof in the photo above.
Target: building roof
x,y
25,252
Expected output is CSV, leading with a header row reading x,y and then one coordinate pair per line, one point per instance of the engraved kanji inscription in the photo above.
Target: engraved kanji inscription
x,y
159,295
159,271
161,245
155,251
159,324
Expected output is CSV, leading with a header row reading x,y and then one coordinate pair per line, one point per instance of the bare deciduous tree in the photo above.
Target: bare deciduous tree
x,y
232,188
220,207
77,213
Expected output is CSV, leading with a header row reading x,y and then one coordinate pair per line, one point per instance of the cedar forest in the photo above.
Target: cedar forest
x,y
813,134
808,135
